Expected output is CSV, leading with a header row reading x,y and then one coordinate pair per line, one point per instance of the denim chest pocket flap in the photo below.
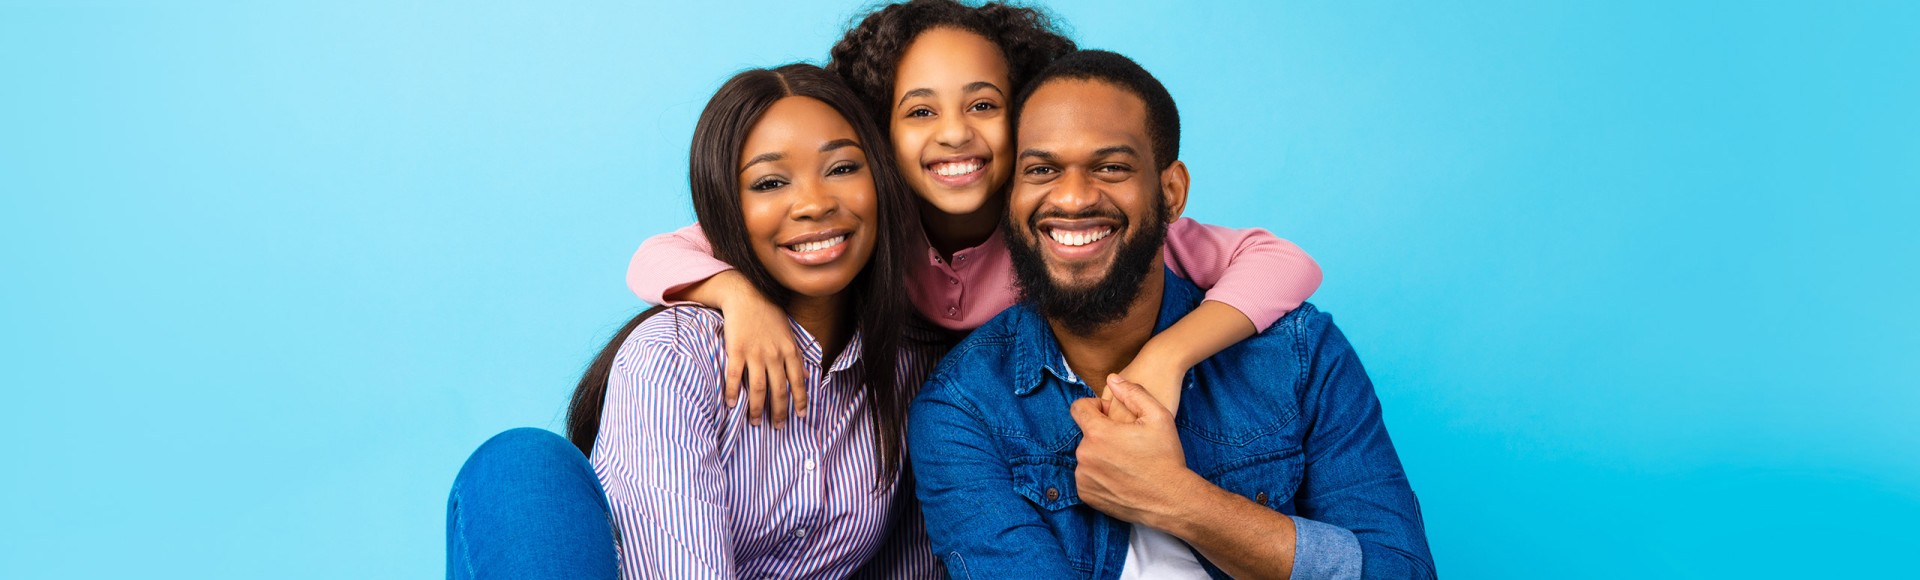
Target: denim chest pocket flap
x,y
1268,479
1047,481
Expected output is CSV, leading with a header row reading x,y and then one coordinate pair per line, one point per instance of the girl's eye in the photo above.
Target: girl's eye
x,y
768,184
920,112
977,107
844,169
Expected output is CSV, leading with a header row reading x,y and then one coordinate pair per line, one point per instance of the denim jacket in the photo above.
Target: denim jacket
x,y
1287,419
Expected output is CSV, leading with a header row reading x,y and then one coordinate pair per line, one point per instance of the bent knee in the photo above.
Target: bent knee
x,y
525,453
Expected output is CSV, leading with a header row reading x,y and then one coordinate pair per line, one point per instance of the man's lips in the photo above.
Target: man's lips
x,y
1077,239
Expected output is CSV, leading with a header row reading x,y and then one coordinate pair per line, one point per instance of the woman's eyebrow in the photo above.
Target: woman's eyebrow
x,y
762,158
839,143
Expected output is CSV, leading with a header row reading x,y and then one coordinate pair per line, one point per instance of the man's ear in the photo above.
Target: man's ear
x,y
1173,186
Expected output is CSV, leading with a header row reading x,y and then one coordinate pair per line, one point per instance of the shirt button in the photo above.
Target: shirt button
x,y
1053,494
800,533
808,465
1260,497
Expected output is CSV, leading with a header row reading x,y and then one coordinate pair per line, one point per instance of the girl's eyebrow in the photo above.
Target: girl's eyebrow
x,y
971,87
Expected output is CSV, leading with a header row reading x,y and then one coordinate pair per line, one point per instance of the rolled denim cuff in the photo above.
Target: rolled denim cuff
x,y
1323,551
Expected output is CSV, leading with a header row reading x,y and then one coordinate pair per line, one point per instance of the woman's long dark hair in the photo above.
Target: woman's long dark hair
x,y
879,308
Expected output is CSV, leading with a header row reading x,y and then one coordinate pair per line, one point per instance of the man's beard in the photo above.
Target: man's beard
x,y
1084,310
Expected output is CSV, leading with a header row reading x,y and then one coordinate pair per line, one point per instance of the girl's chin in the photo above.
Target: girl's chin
x,y
958,203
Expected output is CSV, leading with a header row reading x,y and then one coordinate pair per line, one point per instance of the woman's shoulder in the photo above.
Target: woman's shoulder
x,y
687,330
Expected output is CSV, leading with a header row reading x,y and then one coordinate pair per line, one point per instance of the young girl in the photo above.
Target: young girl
x,y
789,174
942,74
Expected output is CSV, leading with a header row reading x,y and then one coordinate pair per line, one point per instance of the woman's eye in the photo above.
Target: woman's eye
x,y
844,169
768,184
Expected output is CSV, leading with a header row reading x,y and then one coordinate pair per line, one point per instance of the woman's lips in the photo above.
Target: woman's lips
x,y
957,173
817,252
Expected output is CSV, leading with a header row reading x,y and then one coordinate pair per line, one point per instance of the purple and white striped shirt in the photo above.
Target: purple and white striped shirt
x,y
697,492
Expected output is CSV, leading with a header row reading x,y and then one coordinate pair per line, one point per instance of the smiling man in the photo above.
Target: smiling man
x,y
1033,460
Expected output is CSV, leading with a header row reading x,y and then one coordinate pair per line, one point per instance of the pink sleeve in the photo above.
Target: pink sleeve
x,y
669,262
1262,276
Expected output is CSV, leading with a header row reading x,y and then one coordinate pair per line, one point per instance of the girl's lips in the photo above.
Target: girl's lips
x,y
814,253
956,173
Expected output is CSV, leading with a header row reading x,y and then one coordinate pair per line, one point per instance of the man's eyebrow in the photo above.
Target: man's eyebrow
x,y
839,143
762,158
1115,150
1044,155
914,93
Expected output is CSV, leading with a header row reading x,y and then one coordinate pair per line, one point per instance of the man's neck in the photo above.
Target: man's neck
x,y
1112,346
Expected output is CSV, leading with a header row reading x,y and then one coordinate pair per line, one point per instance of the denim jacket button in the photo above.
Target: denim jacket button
x,y
1053,494
1260,497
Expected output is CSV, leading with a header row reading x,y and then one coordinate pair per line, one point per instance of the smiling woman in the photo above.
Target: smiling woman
x,y
784,180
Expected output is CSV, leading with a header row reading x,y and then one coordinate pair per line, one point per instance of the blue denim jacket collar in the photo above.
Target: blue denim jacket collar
x,y
1039,350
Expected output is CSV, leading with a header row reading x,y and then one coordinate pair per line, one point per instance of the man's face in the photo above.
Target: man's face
x,y
1087,215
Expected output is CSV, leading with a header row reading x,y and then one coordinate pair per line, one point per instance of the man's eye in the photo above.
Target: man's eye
x,y
1039,170
768,184
1110,168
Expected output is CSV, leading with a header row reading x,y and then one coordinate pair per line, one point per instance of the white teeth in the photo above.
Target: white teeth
x,y
955,168
819,245
1076,239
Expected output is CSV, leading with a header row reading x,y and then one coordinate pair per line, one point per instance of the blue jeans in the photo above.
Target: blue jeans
x,y
527,505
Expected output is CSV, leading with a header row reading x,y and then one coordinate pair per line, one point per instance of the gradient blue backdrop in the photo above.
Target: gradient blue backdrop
x,y
1635,280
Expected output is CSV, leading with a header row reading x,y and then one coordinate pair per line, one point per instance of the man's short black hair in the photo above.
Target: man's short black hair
x,y
1163,118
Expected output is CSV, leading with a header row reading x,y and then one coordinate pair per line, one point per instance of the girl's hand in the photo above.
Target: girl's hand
x,y
1161,378
763,360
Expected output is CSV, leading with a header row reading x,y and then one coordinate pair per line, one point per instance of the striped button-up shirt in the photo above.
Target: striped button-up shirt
x,y
697,492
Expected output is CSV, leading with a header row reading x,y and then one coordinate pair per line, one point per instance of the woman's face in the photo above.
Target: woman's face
x,y
949,119
807,196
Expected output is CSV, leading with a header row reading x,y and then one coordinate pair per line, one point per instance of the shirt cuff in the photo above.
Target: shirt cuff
x,y
1323,551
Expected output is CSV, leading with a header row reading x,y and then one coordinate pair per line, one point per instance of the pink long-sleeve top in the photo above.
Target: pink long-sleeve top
x,y
1251,270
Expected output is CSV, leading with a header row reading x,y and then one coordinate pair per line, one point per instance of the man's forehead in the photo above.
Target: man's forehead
x,y
1082,113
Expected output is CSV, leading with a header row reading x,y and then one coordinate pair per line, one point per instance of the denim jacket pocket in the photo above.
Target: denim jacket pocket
x,y
1269,479
1046,481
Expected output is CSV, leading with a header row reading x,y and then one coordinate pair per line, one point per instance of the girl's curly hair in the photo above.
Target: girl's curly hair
x,y
866,58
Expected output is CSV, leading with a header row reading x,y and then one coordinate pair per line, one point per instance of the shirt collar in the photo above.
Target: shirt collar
x,y
1038,350
811,351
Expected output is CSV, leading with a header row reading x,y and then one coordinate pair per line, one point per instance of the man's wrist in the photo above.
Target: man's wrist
x,y
1190,499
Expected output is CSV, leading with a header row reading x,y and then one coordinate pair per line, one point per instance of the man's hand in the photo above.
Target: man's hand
x,y
1131,465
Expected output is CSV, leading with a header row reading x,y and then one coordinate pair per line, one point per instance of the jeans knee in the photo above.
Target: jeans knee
x,y
523,453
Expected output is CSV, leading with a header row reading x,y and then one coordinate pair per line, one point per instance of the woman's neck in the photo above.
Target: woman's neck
x,y
949,233
826,319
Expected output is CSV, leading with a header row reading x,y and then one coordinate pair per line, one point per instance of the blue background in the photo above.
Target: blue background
x,y
1635,280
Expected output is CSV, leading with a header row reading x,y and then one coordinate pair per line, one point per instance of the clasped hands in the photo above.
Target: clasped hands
x,y
1131,464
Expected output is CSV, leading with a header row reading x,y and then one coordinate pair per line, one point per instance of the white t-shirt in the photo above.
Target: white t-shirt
x,y
1152,553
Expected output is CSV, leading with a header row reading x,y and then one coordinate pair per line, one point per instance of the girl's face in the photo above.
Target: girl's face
x,y
807,196
949,119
